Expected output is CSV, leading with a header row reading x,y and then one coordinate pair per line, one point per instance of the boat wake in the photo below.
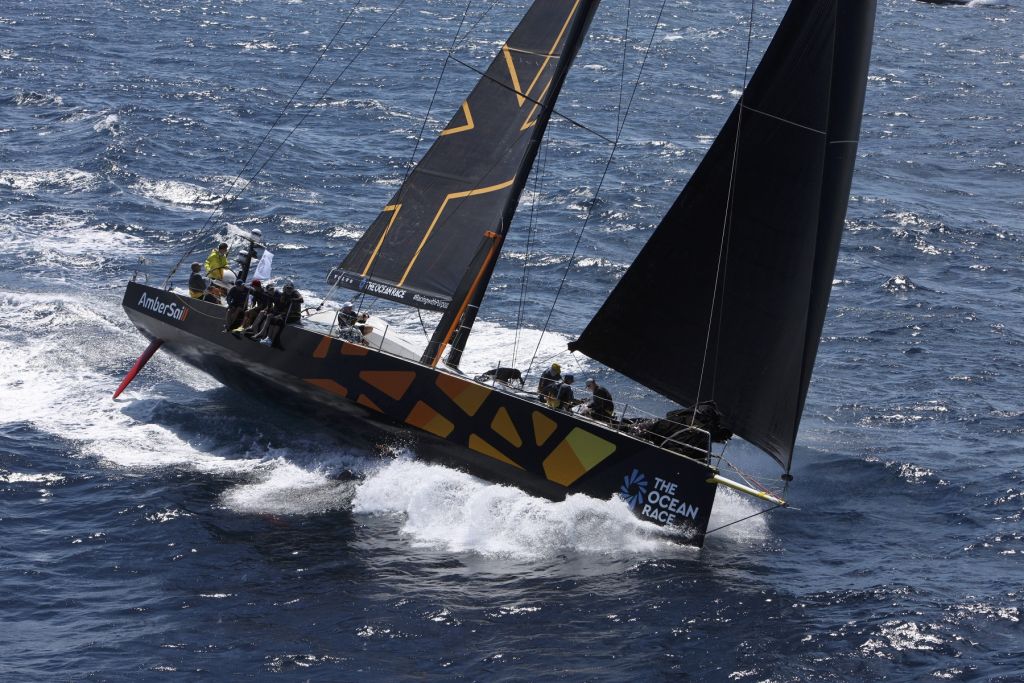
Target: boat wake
x,y
61,382
442,508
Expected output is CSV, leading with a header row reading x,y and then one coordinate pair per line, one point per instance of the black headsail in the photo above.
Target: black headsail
x,y
434,237
748,251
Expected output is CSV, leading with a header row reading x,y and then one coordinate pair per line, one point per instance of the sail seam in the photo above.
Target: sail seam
x,y
548,56
779,118
558,39
535,53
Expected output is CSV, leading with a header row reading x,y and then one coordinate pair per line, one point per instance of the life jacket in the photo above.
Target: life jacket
x,y
215,264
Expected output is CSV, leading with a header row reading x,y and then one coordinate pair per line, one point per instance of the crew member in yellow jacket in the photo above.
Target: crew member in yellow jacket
x,y
217,261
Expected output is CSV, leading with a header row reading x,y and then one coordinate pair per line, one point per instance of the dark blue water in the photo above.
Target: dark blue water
x,y
187,531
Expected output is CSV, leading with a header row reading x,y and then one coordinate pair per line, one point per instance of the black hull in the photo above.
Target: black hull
x,y
490,433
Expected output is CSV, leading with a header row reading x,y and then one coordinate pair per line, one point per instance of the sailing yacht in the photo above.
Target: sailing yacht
x,y
746,255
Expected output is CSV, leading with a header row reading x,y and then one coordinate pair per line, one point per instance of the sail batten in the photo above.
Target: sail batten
x,y
749,247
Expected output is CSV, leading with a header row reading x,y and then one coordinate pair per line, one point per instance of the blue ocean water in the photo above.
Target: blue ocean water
x,y
190,531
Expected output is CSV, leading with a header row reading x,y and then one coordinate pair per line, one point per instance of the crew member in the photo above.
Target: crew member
x,y
196,282
238,297
348,315
601,406
260,301
351,325
287,312
548,382
257,329
217,261
563,398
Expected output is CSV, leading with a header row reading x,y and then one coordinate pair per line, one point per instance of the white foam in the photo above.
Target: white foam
x,y
735,519
47,478
68,179
285,488
179,193
448,509
444,508
493,345
56,240
110,122
54,384
58,385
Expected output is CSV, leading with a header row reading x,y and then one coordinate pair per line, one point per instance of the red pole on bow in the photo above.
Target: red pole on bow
x,y
139,364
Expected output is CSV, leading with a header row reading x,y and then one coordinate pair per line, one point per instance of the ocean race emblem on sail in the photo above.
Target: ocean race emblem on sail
x,y
172,309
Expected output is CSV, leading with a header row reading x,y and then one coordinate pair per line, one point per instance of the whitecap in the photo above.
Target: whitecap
x,y
45,478
899,283
901,636
57,241
109,122
180,193
71,179
282,487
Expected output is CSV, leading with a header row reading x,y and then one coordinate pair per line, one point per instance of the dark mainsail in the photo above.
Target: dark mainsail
x,y
420,249
749,248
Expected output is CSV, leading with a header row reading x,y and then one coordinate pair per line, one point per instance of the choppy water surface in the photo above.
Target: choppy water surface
x,y
188,528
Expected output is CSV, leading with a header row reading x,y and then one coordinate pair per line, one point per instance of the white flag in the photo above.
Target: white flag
x,y
262,271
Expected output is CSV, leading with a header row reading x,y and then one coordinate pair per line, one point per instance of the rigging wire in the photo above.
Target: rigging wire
x,y
620,121
302,118
472,28
748,478
433,96
220,209
361,295
528,98
743,519
622,71
604,175
721,267
539,170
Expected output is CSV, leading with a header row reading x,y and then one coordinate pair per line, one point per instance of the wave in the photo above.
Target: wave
x,y
37,99
32,182
68,247
180,194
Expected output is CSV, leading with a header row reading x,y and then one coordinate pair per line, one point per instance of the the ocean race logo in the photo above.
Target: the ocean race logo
x,y
363,283
658,502
634,488
171,309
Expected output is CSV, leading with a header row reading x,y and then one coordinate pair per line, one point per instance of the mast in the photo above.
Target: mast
x,y
468,317
749,248
473,283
